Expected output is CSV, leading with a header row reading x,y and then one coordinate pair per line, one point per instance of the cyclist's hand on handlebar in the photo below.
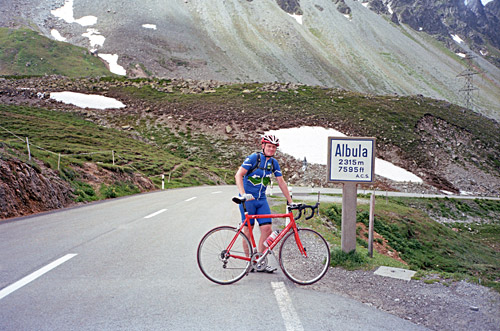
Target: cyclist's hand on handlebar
x,y
247,196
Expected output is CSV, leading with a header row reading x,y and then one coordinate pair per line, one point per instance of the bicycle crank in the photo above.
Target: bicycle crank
x,y
256,265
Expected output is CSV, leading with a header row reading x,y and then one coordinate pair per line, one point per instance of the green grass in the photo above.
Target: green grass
x,y
25,52
466,251
452,251
77,140
331,231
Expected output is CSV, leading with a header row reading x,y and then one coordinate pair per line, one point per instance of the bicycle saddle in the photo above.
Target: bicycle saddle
x,y
239,200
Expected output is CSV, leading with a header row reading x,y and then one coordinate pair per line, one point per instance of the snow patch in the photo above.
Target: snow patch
x,y
298,18
389,9
56,35
389,170
66,13
87,20
114,67
86,100
457,38
312,143
95,38
149,26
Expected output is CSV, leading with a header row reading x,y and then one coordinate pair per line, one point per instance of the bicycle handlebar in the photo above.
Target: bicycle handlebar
x,y
299,206
302,207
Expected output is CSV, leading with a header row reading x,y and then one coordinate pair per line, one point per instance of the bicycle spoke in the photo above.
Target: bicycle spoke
x,y
299,268
216,263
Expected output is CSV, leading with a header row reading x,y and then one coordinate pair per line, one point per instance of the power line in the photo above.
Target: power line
x,y
468,88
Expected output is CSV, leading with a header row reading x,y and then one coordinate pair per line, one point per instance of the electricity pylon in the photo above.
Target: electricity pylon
x,y
469,87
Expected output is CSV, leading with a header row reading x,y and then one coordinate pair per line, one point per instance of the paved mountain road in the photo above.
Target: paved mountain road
x,y
130,264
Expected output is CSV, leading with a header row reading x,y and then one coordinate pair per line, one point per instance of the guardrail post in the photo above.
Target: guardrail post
x,y
29,152
370,226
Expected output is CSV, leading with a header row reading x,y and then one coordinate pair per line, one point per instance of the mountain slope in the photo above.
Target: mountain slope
x,y
27,53
245,41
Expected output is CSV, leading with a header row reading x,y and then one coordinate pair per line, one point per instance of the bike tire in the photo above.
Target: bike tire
x,y
210,255
298,268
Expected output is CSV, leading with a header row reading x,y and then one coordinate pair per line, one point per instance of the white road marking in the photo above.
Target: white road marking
x,y
190,199
31,277
156,213
216,192
290,317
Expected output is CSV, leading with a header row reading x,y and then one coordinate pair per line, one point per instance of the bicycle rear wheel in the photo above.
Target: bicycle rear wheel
x,y
298,268
216,263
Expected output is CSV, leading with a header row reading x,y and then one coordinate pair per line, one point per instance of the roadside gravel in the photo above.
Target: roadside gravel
x,y
443,305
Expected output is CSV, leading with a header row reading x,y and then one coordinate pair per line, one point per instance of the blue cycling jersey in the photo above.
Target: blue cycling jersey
x,y
256,182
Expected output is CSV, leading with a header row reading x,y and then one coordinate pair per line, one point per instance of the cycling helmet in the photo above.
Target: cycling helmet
x,y
271,139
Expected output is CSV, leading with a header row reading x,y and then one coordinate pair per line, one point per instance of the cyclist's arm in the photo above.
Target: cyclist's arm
x,y
239,180
284,188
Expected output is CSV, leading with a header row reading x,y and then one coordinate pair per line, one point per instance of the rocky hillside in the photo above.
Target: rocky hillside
x,y
215,125
475,23
354,45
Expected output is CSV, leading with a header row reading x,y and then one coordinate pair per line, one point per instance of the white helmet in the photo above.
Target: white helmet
x,y
271,139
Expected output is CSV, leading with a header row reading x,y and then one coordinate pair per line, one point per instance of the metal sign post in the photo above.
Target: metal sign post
x,y
351,160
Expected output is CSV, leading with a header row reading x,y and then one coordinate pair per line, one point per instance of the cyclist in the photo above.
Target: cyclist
x,y
252,179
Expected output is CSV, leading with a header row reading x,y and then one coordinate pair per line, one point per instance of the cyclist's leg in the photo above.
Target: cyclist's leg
x,y
265,231
265,224
246,231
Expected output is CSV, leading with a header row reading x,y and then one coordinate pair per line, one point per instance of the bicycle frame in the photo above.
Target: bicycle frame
x,y
288,227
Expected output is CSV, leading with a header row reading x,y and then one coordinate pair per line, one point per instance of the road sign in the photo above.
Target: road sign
x,y
351,159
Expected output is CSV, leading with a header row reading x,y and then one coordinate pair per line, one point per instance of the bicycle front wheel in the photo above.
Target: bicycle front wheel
x,y
299,268
219,264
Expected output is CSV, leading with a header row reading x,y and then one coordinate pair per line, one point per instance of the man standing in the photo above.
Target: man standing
x,y
252,179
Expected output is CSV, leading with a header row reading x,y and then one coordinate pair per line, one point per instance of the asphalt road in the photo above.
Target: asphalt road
x,y
130,264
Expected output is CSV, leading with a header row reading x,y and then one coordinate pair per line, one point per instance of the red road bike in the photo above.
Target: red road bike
x,y
226,254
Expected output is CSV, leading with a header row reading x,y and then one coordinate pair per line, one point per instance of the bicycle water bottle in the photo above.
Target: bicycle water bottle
x,y
271,238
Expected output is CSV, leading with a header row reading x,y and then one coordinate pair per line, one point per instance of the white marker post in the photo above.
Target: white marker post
x,y
351,160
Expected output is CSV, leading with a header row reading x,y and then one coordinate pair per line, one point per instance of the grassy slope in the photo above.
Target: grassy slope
x,y
69,134
25,52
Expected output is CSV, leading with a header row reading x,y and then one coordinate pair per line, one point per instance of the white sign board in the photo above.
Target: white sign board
x,y
351,159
